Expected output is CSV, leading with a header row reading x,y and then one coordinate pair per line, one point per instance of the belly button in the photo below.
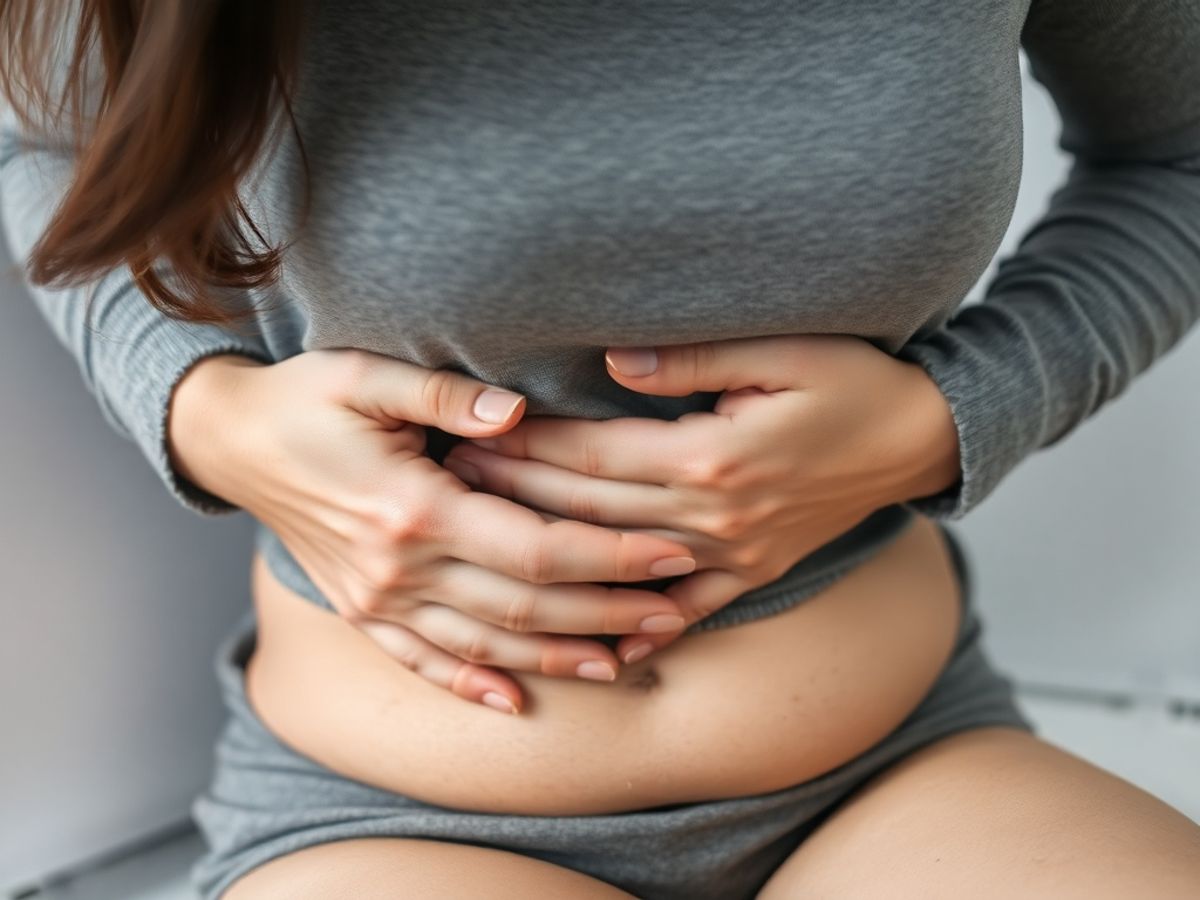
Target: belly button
x,y
646,680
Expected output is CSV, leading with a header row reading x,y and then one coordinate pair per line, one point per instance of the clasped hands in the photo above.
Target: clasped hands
x,y
810,435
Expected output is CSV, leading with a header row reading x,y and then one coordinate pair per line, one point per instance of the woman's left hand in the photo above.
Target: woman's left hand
x,y
811,434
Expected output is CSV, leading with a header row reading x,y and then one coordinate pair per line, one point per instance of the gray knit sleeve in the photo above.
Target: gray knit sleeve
x,y
1108,279
130,354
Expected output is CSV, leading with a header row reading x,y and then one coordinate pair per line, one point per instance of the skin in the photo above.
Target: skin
x,y
810,435
1052,824
326,448
721,713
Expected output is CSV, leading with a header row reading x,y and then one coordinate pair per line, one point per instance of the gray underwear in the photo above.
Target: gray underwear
x,y
265,800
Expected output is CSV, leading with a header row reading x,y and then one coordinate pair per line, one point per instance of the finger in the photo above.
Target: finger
x,y
556,608
671,534
773,363
465,679
627,448
699,595
476,641
499,534
598,501
396,391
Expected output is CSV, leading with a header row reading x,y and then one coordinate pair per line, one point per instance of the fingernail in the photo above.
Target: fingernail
x,y
673,565
498,701
661,622
596,670
494,406
639,651
632,360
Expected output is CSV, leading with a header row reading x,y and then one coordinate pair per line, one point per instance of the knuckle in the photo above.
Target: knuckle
x,y
402,523
629,556
709,469
536,565
749,556
438,391
582,507
388,574
767,508
518,614
725,525
592,458
695,472
370,602
475,648
349,610
410,657
704,359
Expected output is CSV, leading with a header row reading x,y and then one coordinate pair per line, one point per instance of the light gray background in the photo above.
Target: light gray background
x,y
1087,559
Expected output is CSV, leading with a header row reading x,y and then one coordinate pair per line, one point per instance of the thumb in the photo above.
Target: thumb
x,y
392,389
676,370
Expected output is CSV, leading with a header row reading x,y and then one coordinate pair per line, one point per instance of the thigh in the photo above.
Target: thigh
x,y
995,812
381,868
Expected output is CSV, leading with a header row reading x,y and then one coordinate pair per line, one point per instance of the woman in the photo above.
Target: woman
x,y
710,258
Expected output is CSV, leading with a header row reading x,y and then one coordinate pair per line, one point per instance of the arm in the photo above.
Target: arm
x,y
1108,280
130,354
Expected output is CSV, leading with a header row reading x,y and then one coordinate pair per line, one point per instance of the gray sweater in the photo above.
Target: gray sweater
x,y
509,188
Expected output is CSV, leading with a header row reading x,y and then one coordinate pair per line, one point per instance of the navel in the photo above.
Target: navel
x,y
645,680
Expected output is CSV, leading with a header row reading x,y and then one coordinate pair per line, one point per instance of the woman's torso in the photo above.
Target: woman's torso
x,y
507,189
739,710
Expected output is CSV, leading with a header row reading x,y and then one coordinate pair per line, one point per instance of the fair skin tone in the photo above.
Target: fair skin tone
x,y
983,813
423,564
327,448
811,434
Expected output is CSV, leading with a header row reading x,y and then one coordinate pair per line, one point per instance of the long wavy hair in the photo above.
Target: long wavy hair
x,y
167,105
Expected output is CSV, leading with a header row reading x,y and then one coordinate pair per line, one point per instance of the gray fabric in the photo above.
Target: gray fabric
x,y
508,188
265,800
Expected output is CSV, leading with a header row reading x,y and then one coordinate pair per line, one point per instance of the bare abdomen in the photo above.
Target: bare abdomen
x,y
734,711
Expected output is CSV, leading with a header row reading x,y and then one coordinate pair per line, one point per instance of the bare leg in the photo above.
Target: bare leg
x,y
995,813
395,868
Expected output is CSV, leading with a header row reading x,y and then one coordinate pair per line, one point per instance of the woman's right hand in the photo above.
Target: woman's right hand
x,y
327,449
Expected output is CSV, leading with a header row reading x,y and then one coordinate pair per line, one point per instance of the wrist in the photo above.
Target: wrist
x,y
203,417
933,461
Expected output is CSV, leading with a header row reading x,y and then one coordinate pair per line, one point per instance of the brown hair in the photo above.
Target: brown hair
x,y
187,95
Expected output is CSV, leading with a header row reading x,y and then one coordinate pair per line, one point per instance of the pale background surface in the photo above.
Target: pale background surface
x,y
113,597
